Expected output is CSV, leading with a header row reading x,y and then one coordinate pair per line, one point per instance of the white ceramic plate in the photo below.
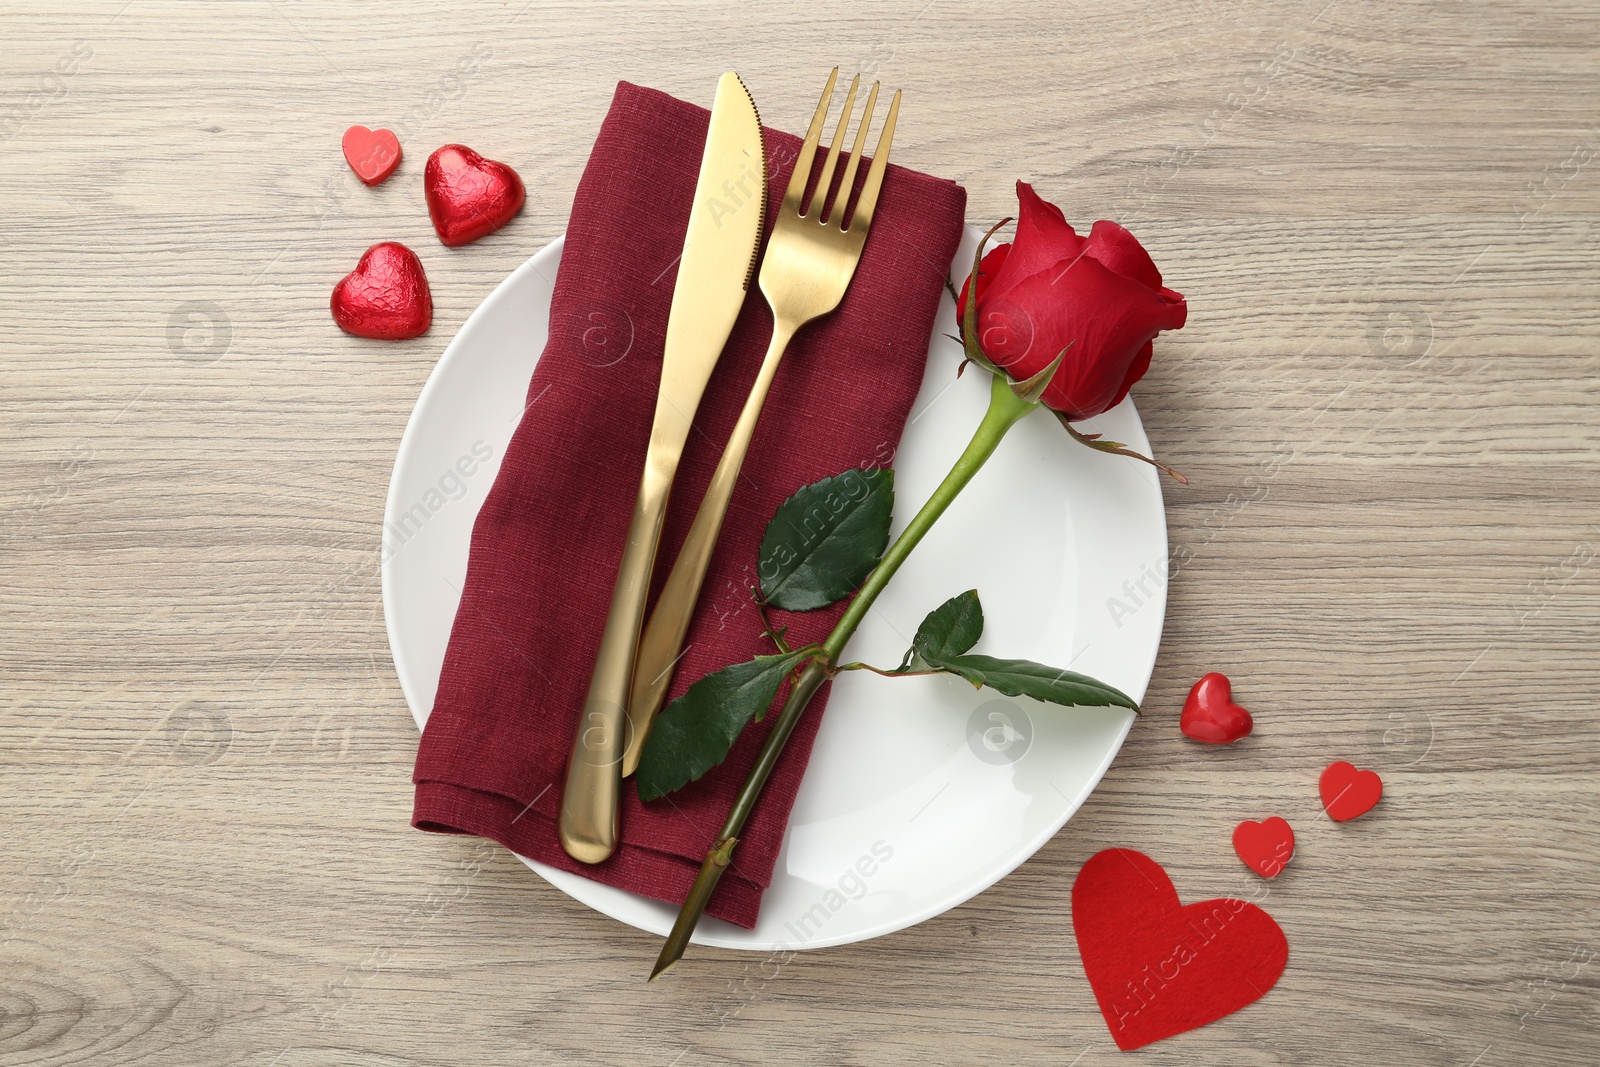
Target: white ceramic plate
x,y
921,792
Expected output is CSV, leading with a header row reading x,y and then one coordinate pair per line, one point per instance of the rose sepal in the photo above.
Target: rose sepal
x,y
969,321
1032,389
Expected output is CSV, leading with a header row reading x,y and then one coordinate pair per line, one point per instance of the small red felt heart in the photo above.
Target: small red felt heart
x,y
372,154
1266,846
1158,968
386,297
468,196
1348,792
1210,715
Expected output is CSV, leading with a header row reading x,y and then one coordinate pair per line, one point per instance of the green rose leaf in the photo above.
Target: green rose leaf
x,y
1025,678
693,733
950,629
825,540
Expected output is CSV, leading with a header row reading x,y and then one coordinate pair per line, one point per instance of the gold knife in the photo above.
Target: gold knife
x,y
714,272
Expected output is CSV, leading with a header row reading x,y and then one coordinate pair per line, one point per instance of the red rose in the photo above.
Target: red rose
x,y
1100,298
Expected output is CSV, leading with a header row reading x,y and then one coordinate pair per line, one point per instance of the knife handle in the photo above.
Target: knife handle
x,y
589,804
661,646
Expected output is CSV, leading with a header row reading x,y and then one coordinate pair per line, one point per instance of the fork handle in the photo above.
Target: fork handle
x,y
661,645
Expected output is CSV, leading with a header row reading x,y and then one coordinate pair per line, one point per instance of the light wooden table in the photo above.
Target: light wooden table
x,y
1386,220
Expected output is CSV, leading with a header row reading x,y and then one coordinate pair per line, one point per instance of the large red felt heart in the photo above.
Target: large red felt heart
x,y
468,196
386,297
1266,846
1348,792
1210,714
1159,968
372,154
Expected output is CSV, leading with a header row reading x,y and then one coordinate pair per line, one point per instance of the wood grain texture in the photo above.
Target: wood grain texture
x,y
1385,216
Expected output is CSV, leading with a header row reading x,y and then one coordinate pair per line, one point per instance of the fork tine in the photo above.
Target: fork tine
x,y
808,150
819,199
880,163
836,213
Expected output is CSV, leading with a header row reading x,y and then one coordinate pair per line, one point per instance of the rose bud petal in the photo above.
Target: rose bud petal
x,y
1100,299
1120,251
1101,319
1043,239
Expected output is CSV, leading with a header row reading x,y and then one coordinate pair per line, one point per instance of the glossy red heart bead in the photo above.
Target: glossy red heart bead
x,y
1210,715
468,196
1266,846
1348,792
372,154
386,297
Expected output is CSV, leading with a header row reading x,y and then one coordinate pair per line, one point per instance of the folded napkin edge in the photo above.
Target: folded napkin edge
x,y
457,810
623,84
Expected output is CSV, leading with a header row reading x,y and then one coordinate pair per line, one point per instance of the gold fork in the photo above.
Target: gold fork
x,y
809,262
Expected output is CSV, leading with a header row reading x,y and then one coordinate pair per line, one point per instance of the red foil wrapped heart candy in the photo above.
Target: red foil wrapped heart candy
x,y
386,297
468,196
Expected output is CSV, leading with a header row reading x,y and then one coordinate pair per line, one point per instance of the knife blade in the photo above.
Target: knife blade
x,y
714,272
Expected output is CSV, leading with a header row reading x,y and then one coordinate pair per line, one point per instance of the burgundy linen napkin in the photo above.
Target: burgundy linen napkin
x,y
547,542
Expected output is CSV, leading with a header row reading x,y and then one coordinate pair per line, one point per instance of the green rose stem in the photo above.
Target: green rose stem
x,y
1006,409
